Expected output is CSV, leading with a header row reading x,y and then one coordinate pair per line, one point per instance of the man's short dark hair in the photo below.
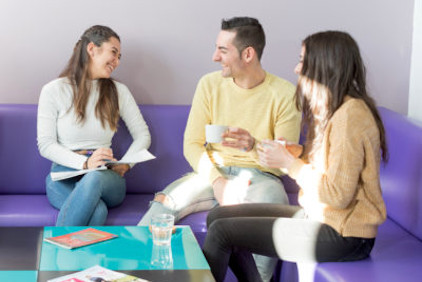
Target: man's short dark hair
x,y
249,32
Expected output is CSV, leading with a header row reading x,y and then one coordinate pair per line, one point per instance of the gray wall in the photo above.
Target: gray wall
x,y
167,45
415,97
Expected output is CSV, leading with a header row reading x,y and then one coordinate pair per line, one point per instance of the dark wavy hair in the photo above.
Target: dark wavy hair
x,y
249,32
77,71
332,68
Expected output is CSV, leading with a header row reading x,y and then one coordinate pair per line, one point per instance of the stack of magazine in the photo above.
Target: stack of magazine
x,y
98,273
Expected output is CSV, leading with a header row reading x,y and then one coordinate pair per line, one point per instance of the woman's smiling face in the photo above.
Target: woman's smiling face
x,y
104,59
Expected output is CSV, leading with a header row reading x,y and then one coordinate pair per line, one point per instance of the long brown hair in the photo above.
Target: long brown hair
x,y
107,108
332,68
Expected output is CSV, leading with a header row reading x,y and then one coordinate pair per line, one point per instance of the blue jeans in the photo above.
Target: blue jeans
x,y
83,200
192,193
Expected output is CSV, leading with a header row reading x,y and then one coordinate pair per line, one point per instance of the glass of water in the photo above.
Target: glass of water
x,y
161,227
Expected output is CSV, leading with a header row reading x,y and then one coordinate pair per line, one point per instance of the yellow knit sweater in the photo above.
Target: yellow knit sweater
x,y
267,111
341,186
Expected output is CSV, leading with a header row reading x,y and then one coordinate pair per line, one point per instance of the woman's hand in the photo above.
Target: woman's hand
x,y
275,155
99,158
120,169
293,148
238,138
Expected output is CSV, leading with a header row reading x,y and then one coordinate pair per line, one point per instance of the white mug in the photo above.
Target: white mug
x,y
213,132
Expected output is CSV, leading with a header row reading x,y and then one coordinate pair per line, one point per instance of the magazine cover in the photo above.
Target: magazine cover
x,y
80,238
98,274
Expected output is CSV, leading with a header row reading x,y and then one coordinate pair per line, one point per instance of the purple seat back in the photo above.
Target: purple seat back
x,y
167,125
401,178
24,170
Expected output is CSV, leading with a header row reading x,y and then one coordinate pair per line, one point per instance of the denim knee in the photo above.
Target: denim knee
x,y
105,184
99,215
93,177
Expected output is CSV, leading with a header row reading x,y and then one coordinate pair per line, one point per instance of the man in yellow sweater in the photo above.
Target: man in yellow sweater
x,y
256,105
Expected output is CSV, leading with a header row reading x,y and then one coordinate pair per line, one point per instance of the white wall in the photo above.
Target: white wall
x,y
415,95
167,45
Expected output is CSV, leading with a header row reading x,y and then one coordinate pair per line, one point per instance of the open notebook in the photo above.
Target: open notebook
x,y
138,157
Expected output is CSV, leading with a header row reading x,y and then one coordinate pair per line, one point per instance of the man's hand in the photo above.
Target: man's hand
x,y
238,138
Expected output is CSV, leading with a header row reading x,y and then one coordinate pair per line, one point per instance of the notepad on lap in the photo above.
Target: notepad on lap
x,y
56,176
140,156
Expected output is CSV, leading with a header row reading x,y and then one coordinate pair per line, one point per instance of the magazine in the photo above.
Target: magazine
x,y
140,156
97,273
80,238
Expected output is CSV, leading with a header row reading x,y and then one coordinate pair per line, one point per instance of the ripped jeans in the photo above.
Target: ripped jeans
x,y
192,193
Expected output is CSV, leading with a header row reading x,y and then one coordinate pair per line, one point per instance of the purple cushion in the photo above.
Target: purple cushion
x,y
397,256
26,210
130,211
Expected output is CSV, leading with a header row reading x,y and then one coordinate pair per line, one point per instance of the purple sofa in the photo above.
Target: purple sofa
x,y
397,254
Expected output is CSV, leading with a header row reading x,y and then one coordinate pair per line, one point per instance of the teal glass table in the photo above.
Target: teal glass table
x,y
32,259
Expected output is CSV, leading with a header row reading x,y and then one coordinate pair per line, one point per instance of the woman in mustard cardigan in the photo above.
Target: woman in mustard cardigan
x,y
340,199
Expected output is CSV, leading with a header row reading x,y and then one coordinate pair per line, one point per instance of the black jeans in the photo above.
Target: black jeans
x,y
235,232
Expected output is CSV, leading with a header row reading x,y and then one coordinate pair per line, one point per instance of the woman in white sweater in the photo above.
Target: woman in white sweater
x,y
78,114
